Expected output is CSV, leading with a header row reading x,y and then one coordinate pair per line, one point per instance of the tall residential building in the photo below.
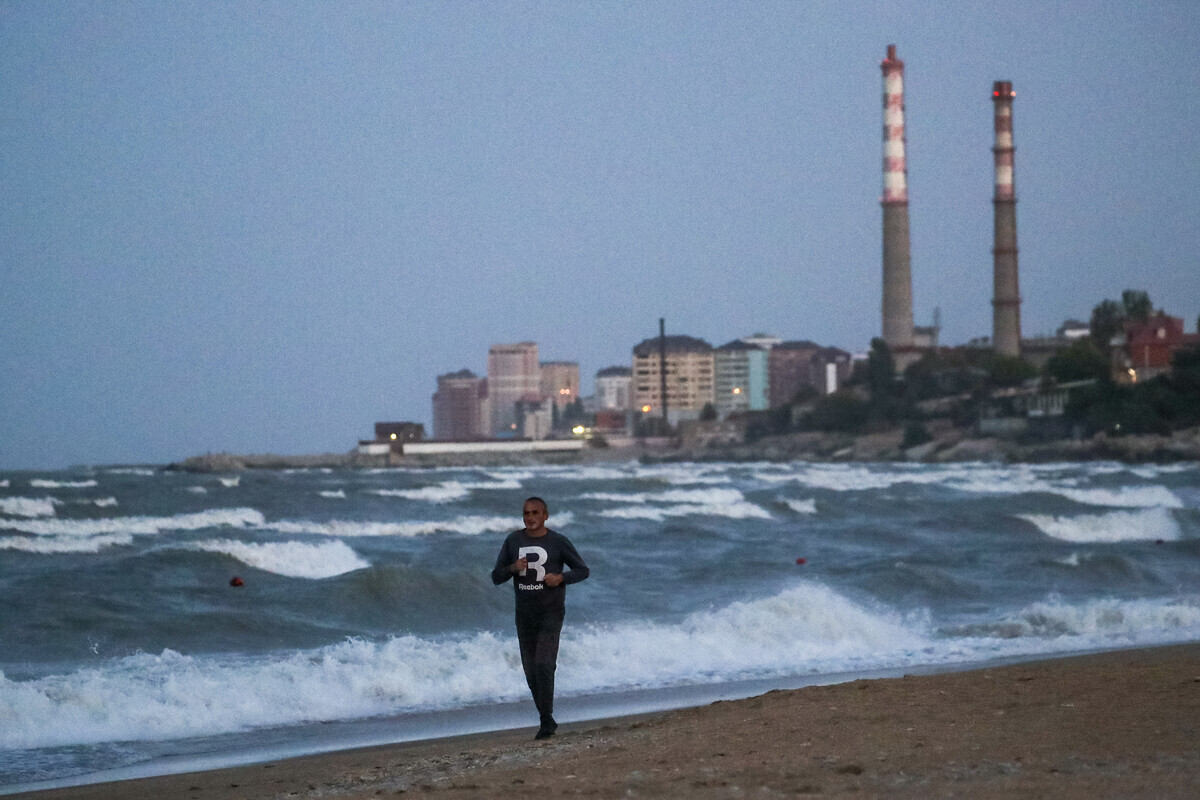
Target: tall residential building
x,y
560,382
513,375
689,377
791,369
740,378
612,388
796,366
460,407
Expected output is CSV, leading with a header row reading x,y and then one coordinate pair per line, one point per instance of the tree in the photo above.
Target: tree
x,y
708,413
1106,321
1080,361
881,373
1136,305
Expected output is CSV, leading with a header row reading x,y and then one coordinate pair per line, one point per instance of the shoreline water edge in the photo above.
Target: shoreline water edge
x,y
947,445
1117,724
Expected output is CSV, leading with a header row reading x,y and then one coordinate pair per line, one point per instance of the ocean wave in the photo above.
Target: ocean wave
x,y
231,483
467,525
42,483
1125,497
290,559
334,494
28,506
170,695
1116,526
55,545
729,503
139,526
806,629
683,474
1109,622
802,506
446,492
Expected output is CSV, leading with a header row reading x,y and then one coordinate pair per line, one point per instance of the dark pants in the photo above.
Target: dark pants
x,y
538,631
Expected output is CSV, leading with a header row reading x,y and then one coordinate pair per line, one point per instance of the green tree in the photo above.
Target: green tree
x,y
1080,361
881,373
1010,370
1136,304
708,413
1106,322
842,411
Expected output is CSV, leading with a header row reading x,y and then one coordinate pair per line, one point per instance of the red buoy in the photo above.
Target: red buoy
x,y
801,560
236,581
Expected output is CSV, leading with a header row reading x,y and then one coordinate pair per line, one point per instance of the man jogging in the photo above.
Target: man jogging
x,y
534,558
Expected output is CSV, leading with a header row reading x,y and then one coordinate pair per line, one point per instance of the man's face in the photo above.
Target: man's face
x,y
535,516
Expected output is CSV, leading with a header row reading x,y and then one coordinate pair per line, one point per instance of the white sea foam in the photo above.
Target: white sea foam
x,y
802,506
741,510
105,502
468,525
334,494
1125,497
142,471
807,629
1115,526
683,474
140,526
41,483
28,506
291,559
197,490
51,545
231,483
729,503
1107,622
446,492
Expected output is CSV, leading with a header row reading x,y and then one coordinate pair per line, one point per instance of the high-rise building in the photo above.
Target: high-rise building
x,y
689,377
513,375
560,382
460,407
740,378
790,367
612,388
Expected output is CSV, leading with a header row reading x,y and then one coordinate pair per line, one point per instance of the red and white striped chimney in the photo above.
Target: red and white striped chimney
x,y
897,267
1006,296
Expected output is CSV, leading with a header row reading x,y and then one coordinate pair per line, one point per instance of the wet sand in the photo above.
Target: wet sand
x,y
1112,725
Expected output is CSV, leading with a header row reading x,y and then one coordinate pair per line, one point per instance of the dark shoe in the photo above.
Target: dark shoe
x,y
549,726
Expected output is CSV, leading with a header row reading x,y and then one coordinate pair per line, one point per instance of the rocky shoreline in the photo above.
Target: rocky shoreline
x,y
947,445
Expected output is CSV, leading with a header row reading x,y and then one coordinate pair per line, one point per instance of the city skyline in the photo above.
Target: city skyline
x,y
259,229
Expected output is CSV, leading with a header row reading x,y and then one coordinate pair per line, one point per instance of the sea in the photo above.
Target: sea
x,y
155,621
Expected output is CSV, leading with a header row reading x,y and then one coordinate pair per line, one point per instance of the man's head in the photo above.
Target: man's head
x,y
535,513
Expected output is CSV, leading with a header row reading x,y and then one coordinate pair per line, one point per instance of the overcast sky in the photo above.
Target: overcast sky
x,y
261,227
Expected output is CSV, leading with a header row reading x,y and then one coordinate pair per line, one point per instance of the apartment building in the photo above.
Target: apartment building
x,y
513,375
560,382
689,377
460,407
740,378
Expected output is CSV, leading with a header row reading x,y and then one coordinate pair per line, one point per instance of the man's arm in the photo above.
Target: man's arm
x,y
504,565
578,570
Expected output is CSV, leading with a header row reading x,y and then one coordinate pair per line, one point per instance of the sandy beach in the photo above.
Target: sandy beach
x,y
1121,725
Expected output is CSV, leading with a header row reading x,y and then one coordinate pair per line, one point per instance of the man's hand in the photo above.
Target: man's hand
x,y
520,565
554,578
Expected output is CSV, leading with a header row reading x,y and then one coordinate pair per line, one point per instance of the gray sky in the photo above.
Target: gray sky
x,y
261,227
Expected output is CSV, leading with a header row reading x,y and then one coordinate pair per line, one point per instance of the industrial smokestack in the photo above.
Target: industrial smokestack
x,y
1006,296
897,267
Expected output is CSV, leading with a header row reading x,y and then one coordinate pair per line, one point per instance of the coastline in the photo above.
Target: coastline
x,y
701,443
1115,724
